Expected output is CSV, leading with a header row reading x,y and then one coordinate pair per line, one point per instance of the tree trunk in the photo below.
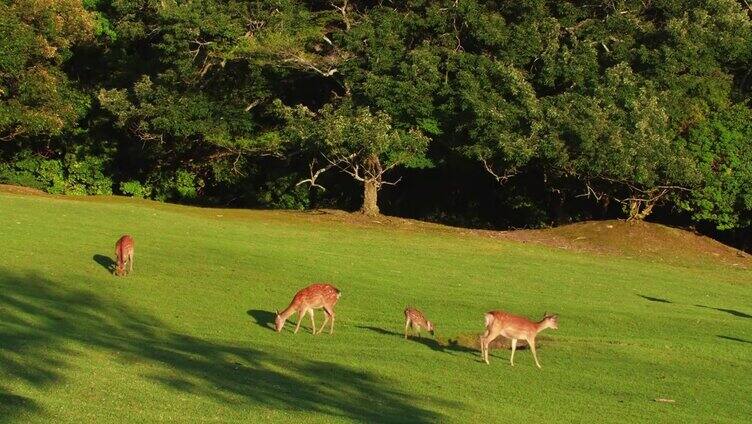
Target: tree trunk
x,y
371,186
370,197
635,214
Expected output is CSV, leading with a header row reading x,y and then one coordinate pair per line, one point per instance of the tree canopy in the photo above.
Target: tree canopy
x,y
482,113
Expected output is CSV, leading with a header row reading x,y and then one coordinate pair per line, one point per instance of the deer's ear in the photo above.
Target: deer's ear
x,y
276,312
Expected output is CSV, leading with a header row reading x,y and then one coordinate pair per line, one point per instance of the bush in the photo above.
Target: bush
x,y
135,189
70,176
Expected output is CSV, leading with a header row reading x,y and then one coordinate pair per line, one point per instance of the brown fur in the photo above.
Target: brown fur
x,y
415,320
305,301
499,323
124,255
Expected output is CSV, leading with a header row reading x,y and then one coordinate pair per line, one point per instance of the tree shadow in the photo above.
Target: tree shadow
x,y
263,319
733,312
46,326
434,344
12,405
654,299
105,261
736,339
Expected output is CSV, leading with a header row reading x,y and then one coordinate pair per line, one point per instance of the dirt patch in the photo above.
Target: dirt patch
x,y
613,237
634,239
12,189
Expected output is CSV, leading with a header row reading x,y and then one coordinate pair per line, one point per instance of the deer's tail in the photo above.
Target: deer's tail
x,y
489,319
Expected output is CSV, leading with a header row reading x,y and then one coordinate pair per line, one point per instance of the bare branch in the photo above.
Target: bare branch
x,y
13,134
309,65
501,179
391,182
315,175
252,105
343,10
590,191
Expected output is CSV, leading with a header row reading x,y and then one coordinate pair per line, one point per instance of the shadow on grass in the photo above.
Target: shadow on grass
x,y
105,261
263,318
432,343
654,299
12,405
728,311
736,339
45,327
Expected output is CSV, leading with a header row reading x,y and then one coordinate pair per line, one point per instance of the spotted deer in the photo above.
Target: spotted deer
x,y
305,301
499,323
123,255
415,320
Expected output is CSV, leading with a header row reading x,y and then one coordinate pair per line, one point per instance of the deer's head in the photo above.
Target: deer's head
x,y
551,321
279,322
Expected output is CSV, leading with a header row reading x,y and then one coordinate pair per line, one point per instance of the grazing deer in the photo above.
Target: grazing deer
x,y
305,301
415,320
123,255
514,327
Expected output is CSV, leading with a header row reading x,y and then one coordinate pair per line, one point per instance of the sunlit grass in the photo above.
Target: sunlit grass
x,y
187,337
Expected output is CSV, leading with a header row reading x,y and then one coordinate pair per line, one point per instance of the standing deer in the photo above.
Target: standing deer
x,y
414,319
123,255
514,327
305,301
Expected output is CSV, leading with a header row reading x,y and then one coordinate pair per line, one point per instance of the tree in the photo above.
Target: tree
x,y
619,143
36,96
361,143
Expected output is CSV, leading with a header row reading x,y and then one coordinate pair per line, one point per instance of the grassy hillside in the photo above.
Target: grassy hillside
x,y
188,336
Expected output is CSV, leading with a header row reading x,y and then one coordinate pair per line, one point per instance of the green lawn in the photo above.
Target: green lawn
x,y
187,337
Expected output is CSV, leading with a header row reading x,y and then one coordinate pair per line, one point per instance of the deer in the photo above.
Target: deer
x,y
514,327
414,319
305,301
123,255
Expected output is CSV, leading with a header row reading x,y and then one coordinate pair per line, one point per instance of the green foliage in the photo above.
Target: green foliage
x,y
722,147
637,102
36,96
284,193
135,189
69,176
34,171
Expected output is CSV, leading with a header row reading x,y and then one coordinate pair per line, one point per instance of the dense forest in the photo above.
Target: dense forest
x,y
495,114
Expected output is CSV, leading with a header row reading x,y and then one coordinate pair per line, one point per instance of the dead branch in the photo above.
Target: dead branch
x,y
315,175
252,105
16,132
501,179
309,65
343,10
391,183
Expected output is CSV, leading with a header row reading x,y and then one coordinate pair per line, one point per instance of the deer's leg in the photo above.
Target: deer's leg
x,y
130,263
331,326
313,323
531,342
301,314
407,324
326,319
484,345
514,347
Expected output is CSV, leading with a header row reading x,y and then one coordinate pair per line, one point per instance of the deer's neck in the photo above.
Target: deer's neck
x,y
288,311
540,326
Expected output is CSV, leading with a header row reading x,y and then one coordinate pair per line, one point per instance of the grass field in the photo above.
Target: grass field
x,y
187,337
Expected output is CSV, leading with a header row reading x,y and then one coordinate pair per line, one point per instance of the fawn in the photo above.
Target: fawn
x,y
123,255
305,301
514,327
415,320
